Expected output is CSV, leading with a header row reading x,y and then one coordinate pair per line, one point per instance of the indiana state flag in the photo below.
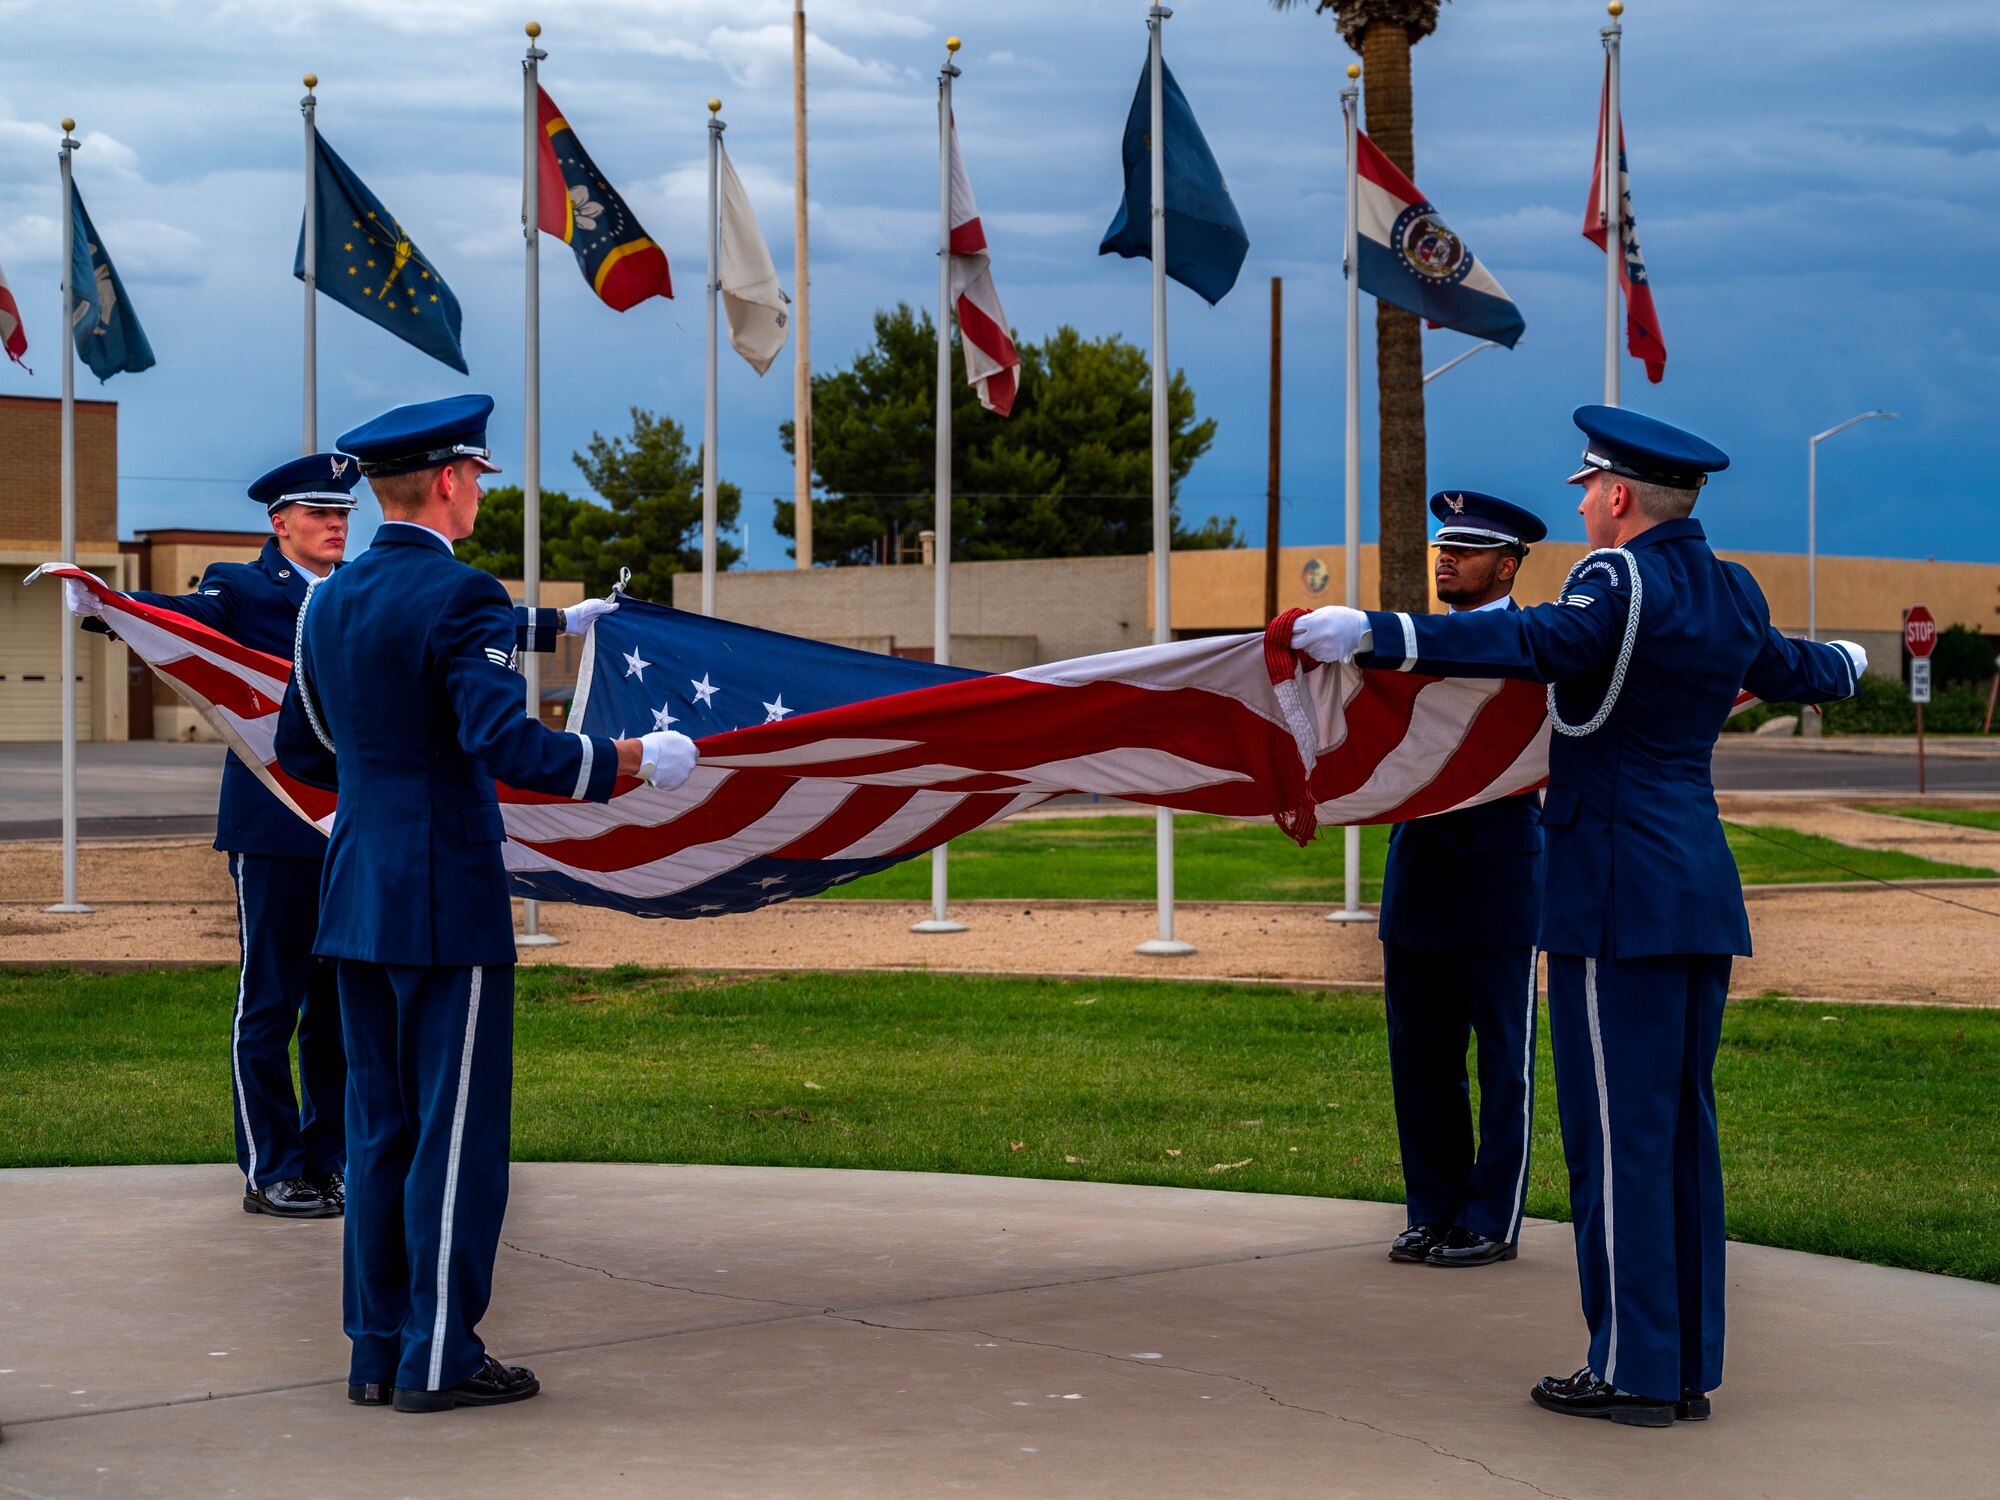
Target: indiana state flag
x,y
577,206
101,320
367,262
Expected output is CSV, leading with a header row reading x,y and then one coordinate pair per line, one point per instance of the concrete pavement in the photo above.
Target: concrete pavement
x,y
731,1331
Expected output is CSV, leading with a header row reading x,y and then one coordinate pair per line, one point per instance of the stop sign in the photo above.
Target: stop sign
x,y
1919,630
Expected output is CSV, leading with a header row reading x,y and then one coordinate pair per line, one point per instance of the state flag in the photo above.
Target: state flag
x,y
990,356
101,317
1642,323
578,206
13,338
751,297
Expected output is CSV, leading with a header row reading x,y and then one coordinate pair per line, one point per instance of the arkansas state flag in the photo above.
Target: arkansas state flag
x,y
1642,324
578,207
1411,260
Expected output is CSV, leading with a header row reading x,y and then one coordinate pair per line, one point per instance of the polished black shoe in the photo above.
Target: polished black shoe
x,y
1692,1407
331,1186
1414,1243
1464,1247
494,1385
371,1394
1584,1395
294,1198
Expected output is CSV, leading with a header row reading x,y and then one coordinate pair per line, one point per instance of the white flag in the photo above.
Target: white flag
x,y
751,297
990,358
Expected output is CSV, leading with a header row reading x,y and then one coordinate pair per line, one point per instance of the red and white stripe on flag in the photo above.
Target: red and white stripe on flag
x,y
13,338
1643,339
990,358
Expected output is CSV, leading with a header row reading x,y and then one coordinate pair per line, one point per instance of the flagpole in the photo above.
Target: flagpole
x,y
708,506
532,935
309,442
941,616
1611,200
69,902
1350,549
802,396
1166,944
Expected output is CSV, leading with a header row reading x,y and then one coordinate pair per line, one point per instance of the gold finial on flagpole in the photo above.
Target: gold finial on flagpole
x,y
312,80
951,44
534,29
68,125
715,106
1617,8
1354,69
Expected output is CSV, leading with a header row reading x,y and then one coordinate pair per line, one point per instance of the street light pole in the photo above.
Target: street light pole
x,y
1812,515
1456,360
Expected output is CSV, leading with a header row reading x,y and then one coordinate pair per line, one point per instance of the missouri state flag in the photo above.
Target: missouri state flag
x,y
1411,259
579,207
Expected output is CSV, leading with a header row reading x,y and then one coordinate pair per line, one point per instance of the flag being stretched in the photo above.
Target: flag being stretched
x,y
13,338
1411,259
751,296
990,357
101,318
579,207
1642,323
820,764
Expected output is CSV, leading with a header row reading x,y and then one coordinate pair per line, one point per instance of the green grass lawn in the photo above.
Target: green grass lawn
x,y
1221,859
1860,1131
1965,817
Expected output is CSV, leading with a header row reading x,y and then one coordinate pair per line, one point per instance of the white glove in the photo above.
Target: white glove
x,y
1856,655
79,600
577,618
666,758
1334,633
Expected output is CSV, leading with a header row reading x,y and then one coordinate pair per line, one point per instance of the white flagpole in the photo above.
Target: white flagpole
x,y
69,902
941,617
802,395
1350,551
708,505
1611,200
307,106
532,935
1166,944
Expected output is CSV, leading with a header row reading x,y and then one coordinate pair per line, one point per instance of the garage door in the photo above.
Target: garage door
x,y
31,624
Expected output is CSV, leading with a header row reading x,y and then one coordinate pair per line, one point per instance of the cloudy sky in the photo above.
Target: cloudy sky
x,y
1814,185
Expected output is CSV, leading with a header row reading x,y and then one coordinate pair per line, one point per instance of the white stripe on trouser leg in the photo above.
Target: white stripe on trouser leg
x,y
1527,1108
1604,1124
451,1184
236,1026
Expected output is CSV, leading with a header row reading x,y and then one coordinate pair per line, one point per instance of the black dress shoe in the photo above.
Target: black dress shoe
x,y
493,1385
294,1198
1464,1247
371,1394
1584,1395
1414,1243
1692,1407
331,1186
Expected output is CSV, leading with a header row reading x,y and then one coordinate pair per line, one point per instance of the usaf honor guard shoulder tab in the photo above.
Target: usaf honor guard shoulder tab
x,y
1636,446
325,480
424,436
1471,519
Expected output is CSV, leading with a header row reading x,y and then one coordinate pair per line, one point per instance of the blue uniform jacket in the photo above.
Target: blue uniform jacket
x,y
405,654
1637,863
257,603
1466,879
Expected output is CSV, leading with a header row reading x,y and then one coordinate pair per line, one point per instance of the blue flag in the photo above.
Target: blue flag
x,y
1206,242
107,332
368,263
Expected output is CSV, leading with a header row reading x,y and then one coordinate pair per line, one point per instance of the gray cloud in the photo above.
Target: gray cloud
x,y
1967,140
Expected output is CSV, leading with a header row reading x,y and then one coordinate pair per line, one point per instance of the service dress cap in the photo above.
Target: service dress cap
x,y
408,438
326,480
1471,519
1644,448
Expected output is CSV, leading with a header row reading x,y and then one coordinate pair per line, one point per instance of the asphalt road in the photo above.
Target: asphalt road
x,y
151,787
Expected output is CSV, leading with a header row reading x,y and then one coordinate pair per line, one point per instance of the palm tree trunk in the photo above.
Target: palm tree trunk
x,y
1399,353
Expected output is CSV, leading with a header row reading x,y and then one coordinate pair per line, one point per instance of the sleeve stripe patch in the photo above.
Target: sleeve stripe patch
x,y
583,772
1409,642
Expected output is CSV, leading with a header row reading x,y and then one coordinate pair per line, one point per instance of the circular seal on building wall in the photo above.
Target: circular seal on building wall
x,y
1316,576
1429,248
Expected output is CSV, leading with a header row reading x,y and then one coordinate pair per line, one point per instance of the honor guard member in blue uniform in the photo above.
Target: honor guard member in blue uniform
x,y
1644,652
291,1149
1461,911
402,699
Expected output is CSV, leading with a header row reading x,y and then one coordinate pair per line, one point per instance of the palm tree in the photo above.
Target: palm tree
x,y
1383,31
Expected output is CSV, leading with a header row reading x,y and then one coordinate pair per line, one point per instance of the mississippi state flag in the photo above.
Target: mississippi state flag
x,y
580,208
1642,324
1412,260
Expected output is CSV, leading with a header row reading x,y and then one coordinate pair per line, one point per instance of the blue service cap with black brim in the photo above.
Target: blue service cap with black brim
x,y
1636,446
423,436
325,480
1471,519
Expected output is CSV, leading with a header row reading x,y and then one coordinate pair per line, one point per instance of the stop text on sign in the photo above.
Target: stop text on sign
x,y
1919,630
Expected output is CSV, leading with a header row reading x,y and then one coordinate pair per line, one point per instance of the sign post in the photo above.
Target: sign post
x,y
1920,636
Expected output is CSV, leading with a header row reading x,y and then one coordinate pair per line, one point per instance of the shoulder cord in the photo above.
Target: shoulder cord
x,y
1586,566
305,689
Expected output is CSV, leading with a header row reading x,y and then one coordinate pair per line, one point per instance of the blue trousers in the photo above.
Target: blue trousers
x,y
1635,1042
1438,999
430,1076
281,988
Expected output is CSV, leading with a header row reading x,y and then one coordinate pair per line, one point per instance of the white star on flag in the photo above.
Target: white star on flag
x,y
770,880
663,716
704,690
634,665
775,711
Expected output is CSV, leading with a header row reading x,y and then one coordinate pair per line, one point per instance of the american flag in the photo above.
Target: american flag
x,y
821,764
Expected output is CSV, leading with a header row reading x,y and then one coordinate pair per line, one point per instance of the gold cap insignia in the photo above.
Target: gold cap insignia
x,y
1456,502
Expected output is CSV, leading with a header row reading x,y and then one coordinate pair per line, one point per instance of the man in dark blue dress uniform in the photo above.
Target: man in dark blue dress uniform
x,y
403,700
1644,654
291,1148
1461,909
